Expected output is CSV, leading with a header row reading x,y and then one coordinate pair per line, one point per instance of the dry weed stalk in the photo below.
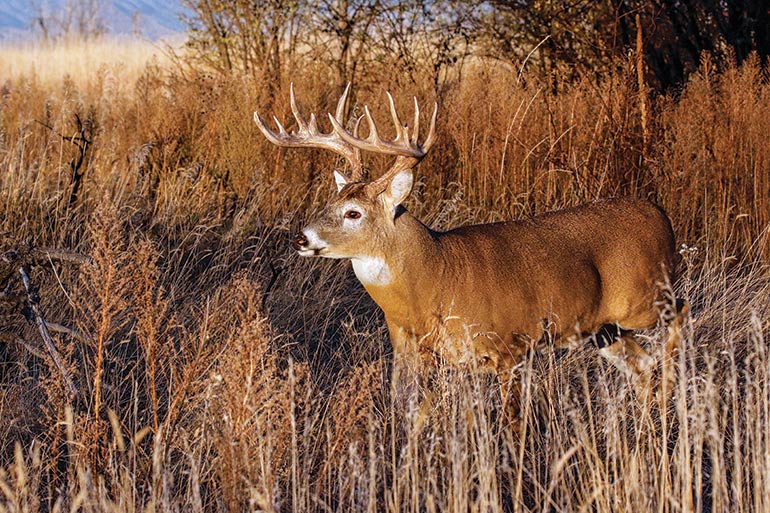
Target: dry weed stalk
x,y
152,321
105,309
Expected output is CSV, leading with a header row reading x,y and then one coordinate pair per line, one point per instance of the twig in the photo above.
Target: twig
x,y
64,255
43,328
74,139
60,328
83,142
276,272
642,88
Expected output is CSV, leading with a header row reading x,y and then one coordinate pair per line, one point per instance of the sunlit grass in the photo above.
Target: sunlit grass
x,y
80,59
220,372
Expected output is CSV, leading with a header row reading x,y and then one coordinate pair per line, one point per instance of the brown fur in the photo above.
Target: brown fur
x,y
482,295
504,284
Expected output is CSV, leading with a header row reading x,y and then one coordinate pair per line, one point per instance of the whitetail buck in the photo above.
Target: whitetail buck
x,y
483,295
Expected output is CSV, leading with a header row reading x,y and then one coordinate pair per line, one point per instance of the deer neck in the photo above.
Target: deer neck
x,y
401,274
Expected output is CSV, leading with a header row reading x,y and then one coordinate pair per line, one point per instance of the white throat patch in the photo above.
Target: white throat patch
x,y
371,270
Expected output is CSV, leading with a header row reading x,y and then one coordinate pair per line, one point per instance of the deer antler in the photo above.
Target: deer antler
x,y
308,135
405,145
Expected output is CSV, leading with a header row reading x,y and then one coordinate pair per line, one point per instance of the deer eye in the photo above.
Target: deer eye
x,y
352,214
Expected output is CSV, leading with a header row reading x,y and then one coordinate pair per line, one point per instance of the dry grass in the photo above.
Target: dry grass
x,y
82,61
219,372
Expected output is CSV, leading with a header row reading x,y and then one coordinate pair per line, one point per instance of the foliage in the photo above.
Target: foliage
x,y
73,20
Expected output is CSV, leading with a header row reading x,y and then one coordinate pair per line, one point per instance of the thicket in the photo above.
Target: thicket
x,y
425,39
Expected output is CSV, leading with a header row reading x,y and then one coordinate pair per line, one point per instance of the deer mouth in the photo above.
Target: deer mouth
x,y
307,244
310,252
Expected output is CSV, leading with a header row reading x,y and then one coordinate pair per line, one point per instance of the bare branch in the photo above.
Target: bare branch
x,y
60,328
41,255
46,336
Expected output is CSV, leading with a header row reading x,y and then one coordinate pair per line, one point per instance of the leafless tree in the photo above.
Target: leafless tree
x,y
246,35
565,39
75,18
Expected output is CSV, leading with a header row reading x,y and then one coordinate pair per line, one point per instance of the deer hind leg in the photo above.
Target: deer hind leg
x,y
649,380
628,356
671,351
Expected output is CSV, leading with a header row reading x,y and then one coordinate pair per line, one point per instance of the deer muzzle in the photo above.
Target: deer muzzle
x,y
300,242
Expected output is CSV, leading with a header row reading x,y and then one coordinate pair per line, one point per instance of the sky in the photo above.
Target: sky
x,y
153,19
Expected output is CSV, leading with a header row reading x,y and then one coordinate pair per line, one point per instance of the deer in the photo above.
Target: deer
x,y
482,296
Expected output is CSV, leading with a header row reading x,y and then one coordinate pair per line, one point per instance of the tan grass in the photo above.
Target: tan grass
x,y
222,373
80,60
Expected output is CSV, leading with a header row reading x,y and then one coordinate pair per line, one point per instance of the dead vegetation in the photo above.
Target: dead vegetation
x,y
216,371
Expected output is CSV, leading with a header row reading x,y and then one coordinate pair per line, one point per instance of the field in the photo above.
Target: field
x,y
217,371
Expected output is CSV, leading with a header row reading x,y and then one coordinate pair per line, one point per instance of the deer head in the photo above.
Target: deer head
x,y
359,221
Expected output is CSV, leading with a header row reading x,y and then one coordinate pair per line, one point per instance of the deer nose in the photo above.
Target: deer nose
x,y
299,242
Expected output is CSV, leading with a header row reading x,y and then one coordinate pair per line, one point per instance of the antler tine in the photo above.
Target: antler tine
x,y
281,129
341,103
416,129
402,145
428,144
295,110
374,136
269,134
401,131
308,135
357,125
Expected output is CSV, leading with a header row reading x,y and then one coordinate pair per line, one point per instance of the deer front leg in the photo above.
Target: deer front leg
x,y
408,362
507,360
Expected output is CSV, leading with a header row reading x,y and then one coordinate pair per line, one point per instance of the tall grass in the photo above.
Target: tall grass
x,y
218,371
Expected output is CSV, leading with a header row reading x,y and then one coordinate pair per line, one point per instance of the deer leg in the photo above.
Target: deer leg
x,y
406,381
509,379
510,395
671,351
628,356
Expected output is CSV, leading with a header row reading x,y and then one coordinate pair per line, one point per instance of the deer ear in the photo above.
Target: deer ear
x,y
340,180
399,188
